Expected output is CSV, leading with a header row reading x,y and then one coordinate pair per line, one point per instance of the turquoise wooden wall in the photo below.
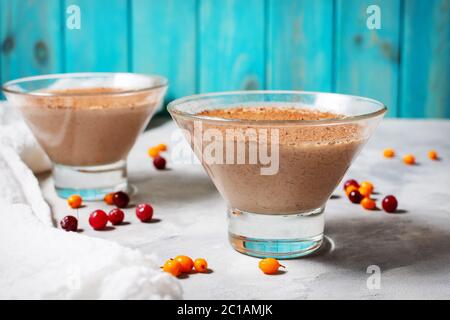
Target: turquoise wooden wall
x,y
211,45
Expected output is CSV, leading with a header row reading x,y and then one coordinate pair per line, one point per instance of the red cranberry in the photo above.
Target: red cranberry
x,y
121,199
98,219
159,163
351,182
389,204
355,196
116,216
69,223
144,212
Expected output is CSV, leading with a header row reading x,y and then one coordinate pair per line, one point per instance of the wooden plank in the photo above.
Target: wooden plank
x,y
231,45
300,45
30,37
425,90
102,42
367,61
164,42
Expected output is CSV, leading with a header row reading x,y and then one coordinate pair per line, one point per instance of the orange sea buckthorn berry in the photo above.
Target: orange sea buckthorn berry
x,y
200,265
365,192
153,152
409,159
433,155
350,189
75,201
368,204
161,147
109,198
173,267
368,186
389,153
186,263
269,265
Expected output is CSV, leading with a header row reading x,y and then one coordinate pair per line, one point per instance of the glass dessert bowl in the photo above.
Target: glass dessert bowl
x,y
276,157
87,123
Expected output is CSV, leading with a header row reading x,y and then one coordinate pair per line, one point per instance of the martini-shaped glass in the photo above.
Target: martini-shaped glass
x,y
87,124
276,157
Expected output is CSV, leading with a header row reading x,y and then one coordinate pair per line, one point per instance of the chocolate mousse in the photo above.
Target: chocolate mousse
x,y
87,126
313,158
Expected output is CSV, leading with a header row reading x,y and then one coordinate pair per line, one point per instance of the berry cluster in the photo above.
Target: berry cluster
x,y
98,219
184,264
361,194
155,152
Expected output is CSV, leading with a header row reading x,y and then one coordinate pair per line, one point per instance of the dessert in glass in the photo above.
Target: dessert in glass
x,y
276,157
87,123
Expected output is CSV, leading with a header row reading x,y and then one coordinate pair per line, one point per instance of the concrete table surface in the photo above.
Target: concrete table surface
x,y
411,248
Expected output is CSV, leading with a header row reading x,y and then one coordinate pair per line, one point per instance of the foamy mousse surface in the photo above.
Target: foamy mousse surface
x,y
270,113
88,126
290,133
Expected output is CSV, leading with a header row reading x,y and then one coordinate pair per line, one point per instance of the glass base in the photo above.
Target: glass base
x,y
276,236
91,183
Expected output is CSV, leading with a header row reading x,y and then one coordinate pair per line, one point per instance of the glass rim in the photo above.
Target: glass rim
x,y
54,76
173,105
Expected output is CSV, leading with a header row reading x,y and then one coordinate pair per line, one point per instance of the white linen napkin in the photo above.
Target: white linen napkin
x,y
38,261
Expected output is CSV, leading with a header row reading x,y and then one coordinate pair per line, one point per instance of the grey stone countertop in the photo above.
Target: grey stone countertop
x,y
410,248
